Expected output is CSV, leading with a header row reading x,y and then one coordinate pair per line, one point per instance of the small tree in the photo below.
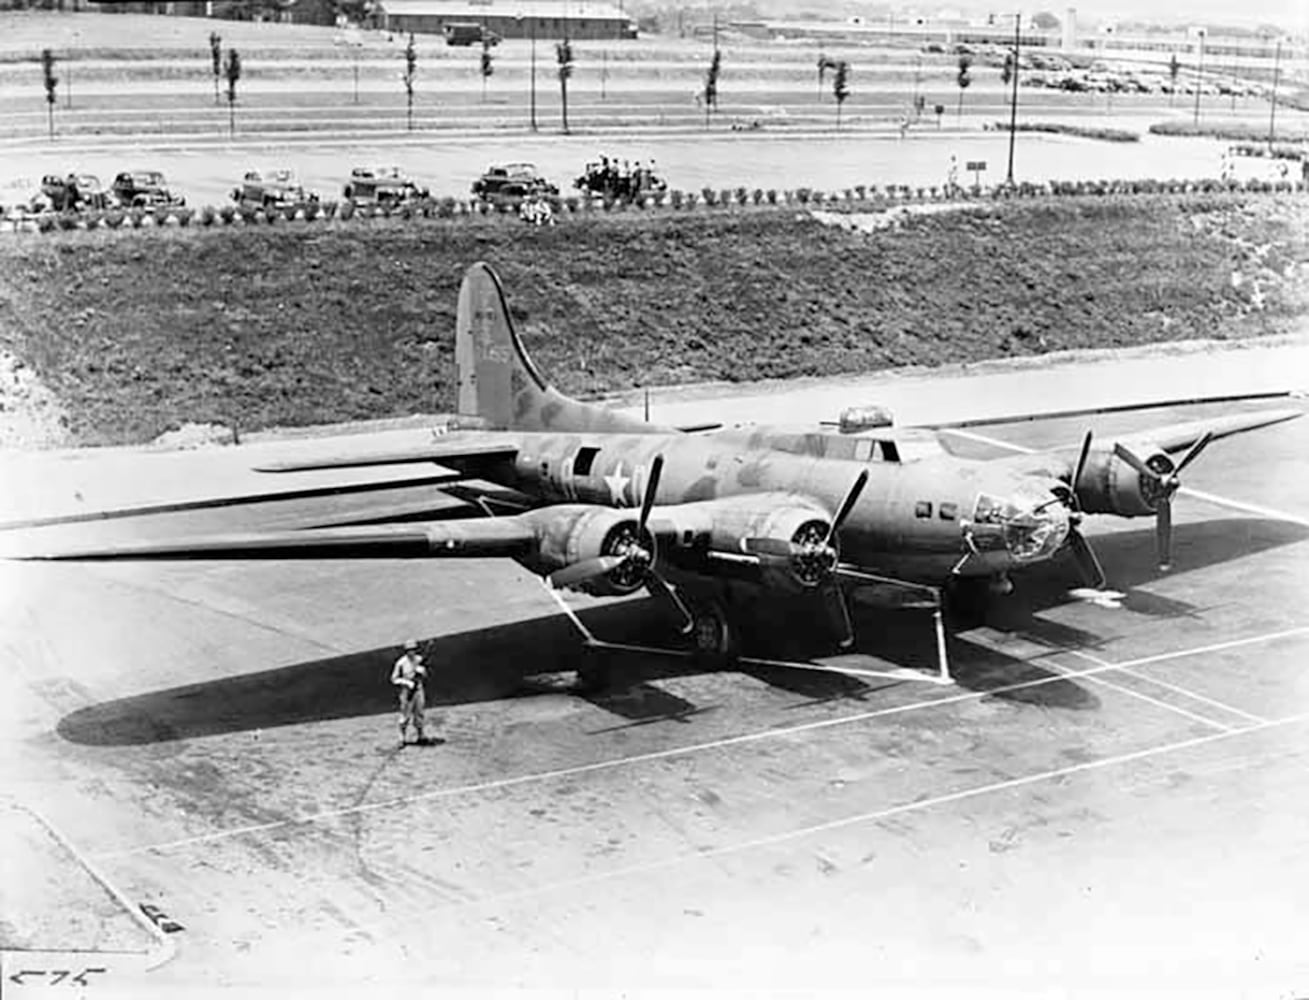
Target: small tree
x,y
564,56
964,78
487,66
232,70
1174,67
841,87
216,59
711,84
411,68
51,81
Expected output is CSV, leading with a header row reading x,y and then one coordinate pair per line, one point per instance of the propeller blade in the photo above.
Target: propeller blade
x,y
838,615
1086,560
1131,459
779,547
662,588
587,569
651,490
1081,466
1194,453
1164,533
847,505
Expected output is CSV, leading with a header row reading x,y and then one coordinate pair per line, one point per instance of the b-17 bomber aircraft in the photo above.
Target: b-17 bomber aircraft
x,y
717,522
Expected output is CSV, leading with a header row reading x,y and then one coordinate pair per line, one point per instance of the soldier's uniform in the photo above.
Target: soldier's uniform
x,y
408,676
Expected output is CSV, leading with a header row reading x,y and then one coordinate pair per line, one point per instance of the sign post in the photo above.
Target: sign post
x,y
976,166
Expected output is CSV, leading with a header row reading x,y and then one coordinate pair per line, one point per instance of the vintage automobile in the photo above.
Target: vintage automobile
x,y
144,189
622,183
278,186
512,181
382,186
469,33
73,193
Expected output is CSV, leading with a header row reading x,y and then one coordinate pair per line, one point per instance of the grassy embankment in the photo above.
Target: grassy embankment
x,y
137,332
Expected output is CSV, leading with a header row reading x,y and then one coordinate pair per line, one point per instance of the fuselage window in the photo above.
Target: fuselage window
x,y
584,460
892,454
923,508
863,450
948,511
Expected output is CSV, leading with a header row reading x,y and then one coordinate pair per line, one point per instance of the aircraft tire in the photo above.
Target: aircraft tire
x,y
713,635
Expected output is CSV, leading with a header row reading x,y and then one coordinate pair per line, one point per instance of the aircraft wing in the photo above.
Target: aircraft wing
x,y
1170,438
455,448
480,538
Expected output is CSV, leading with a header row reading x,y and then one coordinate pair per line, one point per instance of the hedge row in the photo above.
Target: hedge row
x,y
859,196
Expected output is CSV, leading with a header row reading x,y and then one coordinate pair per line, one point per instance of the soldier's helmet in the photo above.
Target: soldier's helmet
x,y
411,645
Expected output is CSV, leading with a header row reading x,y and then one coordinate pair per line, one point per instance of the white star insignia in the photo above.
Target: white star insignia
x,y
617,484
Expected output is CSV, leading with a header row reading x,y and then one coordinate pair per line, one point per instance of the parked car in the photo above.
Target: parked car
x,y
470,33
72,193
625,183
512,180
143,189
278,186
382,186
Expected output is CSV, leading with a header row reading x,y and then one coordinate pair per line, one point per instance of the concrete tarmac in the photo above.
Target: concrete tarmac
x,y
1110,800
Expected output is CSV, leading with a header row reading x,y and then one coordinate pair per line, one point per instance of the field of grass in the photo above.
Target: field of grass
x,y
137,332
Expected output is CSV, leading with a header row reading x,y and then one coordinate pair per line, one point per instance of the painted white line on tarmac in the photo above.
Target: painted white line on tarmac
x,y
1172,687
1250,508
1212,723
1213,498
918,805
674,752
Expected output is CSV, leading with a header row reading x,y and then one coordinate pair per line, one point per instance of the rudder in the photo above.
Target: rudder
x,y
499,385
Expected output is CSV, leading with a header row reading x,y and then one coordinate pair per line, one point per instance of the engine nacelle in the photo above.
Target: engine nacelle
x,y
779,542
1109,485
570,534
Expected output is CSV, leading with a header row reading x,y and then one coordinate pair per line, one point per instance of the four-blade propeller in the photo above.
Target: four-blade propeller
x,y
1159,481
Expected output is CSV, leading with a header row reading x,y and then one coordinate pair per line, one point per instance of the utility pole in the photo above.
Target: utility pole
x,y
533,74
1272,96
1199,71
1013,103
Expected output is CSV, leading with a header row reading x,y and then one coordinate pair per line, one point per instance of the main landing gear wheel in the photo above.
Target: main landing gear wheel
x,y
713,635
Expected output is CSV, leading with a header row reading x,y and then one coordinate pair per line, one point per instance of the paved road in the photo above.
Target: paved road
x,y
1108,799
449,165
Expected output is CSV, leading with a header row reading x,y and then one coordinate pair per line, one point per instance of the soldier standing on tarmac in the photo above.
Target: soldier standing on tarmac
x,y
408,675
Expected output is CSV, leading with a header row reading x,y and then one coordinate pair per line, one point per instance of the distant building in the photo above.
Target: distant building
x,y
510,18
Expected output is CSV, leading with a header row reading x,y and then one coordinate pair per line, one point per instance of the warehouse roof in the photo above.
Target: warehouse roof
x,y
473,10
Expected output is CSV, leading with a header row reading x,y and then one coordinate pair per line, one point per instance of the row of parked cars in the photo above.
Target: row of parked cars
x,y
373,185
76,192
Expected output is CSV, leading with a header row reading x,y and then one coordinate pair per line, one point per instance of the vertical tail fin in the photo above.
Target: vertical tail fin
x,y
498,383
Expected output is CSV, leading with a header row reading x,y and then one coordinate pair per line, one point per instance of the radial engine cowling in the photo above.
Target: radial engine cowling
x,y
1108,485
572,534
781,542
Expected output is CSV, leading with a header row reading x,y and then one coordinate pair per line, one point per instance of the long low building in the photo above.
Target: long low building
x,y
510,19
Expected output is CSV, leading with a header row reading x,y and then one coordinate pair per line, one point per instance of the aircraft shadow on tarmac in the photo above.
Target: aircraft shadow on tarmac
x,y
493,663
